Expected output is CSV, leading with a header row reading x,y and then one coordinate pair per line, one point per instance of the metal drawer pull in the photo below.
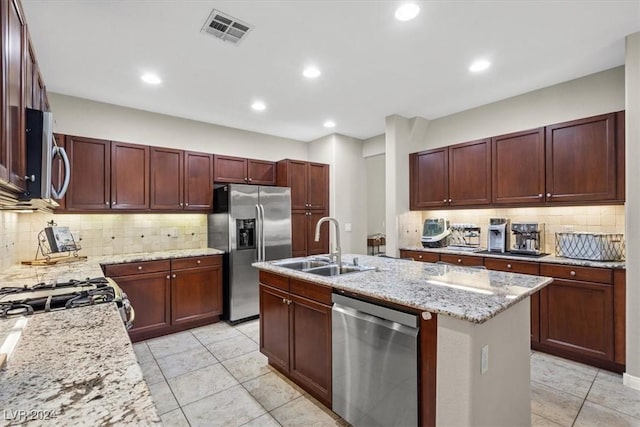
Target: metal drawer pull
x,y
548,194
459,260
508,265
168,277
198,262
174,276
139,267
573,273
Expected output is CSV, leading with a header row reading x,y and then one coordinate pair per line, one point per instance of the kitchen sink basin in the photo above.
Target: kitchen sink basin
x,y
321,267
302,264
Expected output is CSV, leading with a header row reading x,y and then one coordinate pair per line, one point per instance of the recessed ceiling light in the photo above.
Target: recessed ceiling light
x,y
329,124
311,72
151,78
407,12
479,65
258,106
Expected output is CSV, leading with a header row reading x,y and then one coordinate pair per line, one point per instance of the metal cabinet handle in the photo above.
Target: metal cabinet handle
x,y
174,276
573,273
284,300
540,195
106,203
419,256
459,260
186,204
444,201
508,265
139,267
548,194
180,204
249,179
168,277
31,178
449,200
198,262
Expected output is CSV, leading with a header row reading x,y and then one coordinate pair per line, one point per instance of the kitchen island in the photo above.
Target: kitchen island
x,y
462,311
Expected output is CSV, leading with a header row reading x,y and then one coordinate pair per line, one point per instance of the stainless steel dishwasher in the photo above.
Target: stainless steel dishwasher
x,y
375,364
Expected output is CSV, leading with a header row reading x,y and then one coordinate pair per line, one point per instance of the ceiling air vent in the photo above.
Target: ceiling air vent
x,y
226,27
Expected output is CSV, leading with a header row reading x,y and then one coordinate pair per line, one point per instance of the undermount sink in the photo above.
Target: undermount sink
x,y
302,264
321,267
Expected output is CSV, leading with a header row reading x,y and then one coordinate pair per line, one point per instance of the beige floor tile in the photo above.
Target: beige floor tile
x,y
216,332
594,415
553,404
247,366
187,361
174,418
172,344
303,413
163,397
143,354
538,421
251,330
265,420
151,372
609,391
562,374
271,391
232,347
203,382
230,408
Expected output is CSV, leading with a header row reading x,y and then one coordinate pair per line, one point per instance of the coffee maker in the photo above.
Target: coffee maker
x,y
528,238
498,239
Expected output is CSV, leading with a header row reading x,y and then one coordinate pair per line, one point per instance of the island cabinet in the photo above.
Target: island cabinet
x,y
464,260
170,295
420,256
244,171
295,331
459,175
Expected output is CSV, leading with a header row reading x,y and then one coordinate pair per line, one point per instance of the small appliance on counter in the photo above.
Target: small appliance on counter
x,y
590,246
435,233
465,236
529,238
498,238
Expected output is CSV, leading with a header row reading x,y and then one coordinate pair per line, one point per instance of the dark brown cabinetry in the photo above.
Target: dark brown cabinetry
x,y
465,260
198,181
129,176
420,256
429,179
303,228
90,184
170,295
289,310
244,171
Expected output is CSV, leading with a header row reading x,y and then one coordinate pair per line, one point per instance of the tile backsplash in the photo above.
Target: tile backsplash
x,y
608,219
8,239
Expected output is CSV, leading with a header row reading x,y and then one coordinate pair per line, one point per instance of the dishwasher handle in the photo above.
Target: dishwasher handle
x,y
352,305
346,313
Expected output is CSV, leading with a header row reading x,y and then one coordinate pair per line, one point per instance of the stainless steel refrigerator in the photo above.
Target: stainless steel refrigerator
x,y
250,223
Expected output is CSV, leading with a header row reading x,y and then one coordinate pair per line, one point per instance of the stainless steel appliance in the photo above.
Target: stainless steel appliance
x,y
498,237
465,236
435,233
45,297
375,364
249,223
529,238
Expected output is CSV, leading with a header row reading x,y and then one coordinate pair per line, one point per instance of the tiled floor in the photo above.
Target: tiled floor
x,y
215,376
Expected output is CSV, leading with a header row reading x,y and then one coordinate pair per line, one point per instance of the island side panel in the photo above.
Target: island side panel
x,y
499,397
428,371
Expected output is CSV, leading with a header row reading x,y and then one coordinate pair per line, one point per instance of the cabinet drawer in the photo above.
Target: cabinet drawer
x,y
523,267
465,260
312,291
130,268
275,280
589,274
420,256
193,262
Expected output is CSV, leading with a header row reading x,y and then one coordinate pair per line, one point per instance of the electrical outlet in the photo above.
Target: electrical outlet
x,y
484,360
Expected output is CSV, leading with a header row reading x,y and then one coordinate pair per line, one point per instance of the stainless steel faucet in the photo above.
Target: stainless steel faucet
x,y
338,251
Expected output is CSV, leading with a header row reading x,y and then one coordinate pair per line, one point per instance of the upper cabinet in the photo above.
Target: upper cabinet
x,y
198,181
244,171
129,176
459,175
309,183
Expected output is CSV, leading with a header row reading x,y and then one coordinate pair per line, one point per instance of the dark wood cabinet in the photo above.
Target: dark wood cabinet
x,y
198,181
289,309
581,160
244,171
303,229
322,245
90,184
420,256
429,179
167,178
518,168
129,176
464,260
619,318
470,173
318,186
196,290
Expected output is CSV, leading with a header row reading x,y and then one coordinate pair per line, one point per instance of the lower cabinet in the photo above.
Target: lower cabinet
x,y
464,260
295,331
303,231
170,295
420,256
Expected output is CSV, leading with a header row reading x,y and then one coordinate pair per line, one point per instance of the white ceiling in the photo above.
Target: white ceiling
x,y
372,65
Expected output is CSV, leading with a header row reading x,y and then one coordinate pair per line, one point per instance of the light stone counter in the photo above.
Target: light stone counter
x,y
74,367
546,258
25,275
464,293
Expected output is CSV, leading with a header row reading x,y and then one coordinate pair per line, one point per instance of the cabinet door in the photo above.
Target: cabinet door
x,y
322,246
420,256
581,160
90,185
299,233
149,296
274,326
129,176
619,314
230,169
196,294
318,186
465,260
470,173
295,176
429,179
261,172
578,317
518,167
310,359
198,181
166,178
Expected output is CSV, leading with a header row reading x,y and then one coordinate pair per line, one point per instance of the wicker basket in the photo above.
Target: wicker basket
x,y
591,246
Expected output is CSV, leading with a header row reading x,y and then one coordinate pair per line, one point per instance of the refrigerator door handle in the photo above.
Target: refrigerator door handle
x,y
258,233
262,239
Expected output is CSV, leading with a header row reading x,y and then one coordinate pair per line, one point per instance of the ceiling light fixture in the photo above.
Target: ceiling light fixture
x,y
151,78
258,106
329,124
407,12
311,72
479,65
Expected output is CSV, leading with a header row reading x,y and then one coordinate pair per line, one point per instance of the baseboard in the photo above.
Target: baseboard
x,y
631,381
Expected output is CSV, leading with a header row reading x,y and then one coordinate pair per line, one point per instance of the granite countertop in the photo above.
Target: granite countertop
x,y
21,275
74,367
547,258
470,294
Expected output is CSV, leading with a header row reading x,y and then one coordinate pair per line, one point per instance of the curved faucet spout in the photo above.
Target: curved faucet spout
x,y
338,251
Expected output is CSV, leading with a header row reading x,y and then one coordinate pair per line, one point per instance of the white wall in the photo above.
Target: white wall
x,y
83,117
375,183
373,146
